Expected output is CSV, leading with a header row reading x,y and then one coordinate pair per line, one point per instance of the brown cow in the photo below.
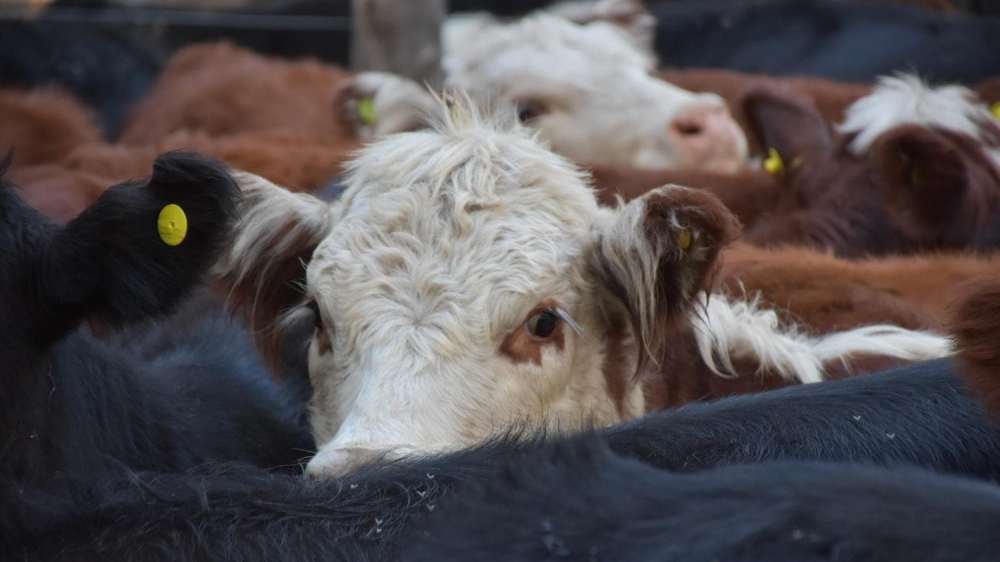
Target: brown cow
x,y
61,190
43,125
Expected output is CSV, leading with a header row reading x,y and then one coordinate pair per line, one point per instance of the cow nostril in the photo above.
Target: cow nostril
x,y
688,128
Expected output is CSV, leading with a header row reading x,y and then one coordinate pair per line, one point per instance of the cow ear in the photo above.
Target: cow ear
x,y
262,273
631,16
787,126
142,246
657,253
924,177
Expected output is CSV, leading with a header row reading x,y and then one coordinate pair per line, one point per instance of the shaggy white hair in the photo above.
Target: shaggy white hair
x,y
905,99
728,329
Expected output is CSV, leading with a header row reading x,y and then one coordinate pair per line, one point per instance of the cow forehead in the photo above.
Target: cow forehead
x,y
545,46
461,216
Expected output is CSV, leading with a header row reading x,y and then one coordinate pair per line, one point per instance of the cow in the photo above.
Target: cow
x,y
44,125
471,248
923,176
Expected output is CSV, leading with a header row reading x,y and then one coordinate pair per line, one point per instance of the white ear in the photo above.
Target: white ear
x,y
381,103
630,16
264,268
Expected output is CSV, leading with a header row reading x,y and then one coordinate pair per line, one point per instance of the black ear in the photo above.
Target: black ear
x,y
141,247
787,123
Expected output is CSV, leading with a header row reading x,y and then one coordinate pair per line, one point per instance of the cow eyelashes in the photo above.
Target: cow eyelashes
x,y
543,324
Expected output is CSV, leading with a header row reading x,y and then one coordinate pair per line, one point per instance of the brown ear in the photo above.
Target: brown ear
x,y
787,123
658,253
263,272
976,326
924,177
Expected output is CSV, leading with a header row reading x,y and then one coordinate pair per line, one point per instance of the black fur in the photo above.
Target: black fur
x,y
584,503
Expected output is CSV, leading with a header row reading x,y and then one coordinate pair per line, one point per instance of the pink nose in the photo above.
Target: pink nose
x,y
707,137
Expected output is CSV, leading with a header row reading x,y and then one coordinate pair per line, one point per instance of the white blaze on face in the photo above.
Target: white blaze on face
x,y
436,287
589,90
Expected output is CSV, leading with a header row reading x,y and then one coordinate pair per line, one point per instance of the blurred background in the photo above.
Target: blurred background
x,y
107,52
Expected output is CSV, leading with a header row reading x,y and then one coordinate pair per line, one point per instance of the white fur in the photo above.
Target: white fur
x,y
727,329
905,99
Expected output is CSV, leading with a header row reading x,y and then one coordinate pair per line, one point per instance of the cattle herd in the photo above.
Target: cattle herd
x,y
569,307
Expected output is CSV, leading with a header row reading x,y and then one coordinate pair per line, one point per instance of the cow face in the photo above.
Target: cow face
x,y
468,283
582,77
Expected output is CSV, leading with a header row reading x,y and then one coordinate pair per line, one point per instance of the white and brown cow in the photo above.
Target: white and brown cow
x,y
582,74
468,282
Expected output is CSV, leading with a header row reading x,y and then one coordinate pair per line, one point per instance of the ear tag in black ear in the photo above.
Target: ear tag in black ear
x,y
773,164
172,224
916,176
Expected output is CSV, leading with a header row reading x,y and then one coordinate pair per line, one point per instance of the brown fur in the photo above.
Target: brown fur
x,y
976,326
64,189
274,289
989,90
855,205
616,374
748,194
822,294
44,125
220,89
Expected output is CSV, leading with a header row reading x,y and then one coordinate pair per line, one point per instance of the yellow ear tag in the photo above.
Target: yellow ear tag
x,y
684,239
995,108
172,225
773,163
366,110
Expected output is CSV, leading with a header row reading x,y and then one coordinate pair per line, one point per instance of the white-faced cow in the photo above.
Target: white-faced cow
x,y
582,75
468,282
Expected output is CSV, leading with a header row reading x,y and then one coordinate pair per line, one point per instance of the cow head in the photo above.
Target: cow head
x,y
912,167
466,283
580,73
583,77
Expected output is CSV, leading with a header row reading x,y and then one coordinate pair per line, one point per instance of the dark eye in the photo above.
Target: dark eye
x,y
543,323
530,109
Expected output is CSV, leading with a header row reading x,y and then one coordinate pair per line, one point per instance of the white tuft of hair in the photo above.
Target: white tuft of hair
x,y
906,99
726,329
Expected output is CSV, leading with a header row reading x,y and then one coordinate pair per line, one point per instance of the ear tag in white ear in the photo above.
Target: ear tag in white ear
x,y
366,110
569,321
172,224
773,164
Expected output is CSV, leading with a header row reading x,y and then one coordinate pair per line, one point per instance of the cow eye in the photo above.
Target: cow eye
x,y
530,109
543,323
